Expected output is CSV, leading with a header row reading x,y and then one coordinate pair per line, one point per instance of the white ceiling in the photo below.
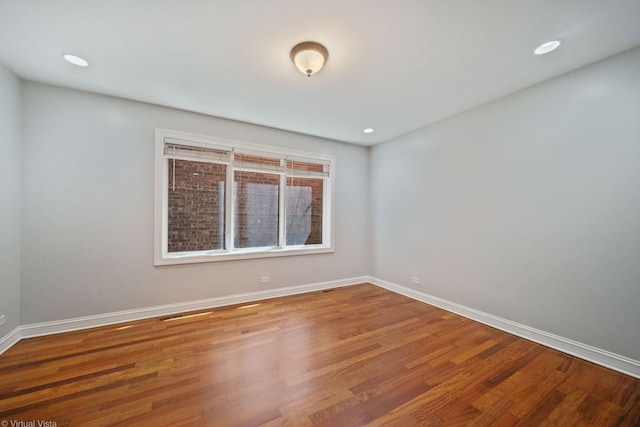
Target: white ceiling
x,y
394,65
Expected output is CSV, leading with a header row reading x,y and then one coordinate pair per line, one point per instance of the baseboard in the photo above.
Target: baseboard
x,y
601,357
10,340
592,354
74,324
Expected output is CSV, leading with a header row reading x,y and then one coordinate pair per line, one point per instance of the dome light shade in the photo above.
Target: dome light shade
x,y
309,57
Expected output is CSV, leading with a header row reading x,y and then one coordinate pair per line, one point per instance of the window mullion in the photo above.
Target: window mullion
x,y
326,207
328,210
228,212
165,206
282,212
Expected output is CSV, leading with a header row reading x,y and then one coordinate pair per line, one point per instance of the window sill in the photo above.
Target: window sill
x,y
200,257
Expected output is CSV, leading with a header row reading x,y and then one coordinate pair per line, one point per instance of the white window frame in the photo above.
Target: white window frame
x,y
161,181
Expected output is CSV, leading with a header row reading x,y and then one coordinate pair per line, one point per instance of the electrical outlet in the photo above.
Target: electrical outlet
x,y
2,320
264,279
415,280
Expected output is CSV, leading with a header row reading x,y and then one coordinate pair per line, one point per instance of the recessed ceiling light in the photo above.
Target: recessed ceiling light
x,y
368,130
75,60
547,47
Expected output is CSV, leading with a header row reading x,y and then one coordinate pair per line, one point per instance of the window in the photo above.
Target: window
x,y
220,200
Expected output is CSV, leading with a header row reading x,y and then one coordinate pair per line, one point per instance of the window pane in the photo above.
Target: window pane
x,y
304,211
249,159
195,206
295,165
255,209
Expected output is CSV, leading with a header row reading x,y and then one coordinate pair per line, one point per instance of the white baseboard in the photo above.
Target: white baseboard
x,y
74,324
592,354
10,340
583,351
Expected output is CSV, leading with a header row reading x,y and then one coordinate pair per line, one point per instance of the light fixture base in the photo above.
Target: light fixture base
x,y
309,57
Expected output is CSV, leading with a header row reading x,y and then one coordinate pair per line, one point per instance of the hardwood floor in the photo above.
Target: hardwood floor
x,y
353,356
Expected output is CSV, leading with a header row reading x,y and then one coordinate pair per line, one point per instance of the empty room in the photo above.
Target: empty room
x,y
330,213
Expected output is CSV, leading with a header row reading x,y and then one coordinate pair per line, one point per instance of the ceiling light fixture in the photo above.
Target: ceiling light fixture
x,y
309,57
368,130
75,60
547,47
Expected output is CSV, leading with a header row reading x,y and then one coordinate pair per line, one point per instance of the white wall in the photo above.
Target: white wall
x,y
88,209
527,208
10,160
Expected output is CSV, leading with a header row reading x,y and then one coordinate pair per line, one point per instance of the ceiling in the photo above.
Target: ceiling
x,y
393,65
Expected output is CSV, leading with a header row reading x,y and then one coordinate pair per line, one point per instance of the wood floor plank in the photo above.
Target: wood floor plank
x,y
352,356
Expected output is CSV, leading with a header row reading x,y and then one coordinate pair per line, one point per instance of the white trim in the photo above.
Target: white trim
x,y
247,147
10,339
236,254
282,210
78,323
598,356
160,254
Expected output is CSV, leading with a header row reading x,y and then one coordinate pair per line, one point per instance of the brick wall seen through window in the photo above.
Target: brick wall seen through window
x,y
223,199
